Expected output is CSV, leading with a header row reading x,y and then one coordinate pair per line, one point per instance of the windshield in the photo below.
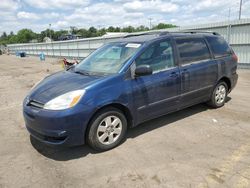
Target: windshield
x,y
108,59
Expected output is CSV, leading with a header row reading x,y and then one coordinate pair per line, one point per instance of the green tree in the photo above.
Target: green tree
x,y
117,29
73,30
111,29
128,29
58,34
92,32
50,33
4,35
13,39
101,32
25,35
11,34
142,28
163,26
83,32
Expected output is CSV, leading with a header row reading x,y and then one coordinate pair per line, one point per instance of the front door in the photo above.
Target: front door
x,y
156,94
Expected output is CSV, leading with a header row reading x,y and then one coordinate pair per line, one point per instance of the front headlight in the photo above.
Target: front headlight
x,y
65,101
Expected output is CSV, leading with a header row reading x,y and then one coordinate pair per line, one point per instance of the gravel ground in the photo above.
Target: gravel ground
x,y
195,147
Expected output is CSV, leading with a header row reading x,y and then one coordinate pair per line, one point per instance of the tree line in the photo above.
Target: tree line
x,y
27,35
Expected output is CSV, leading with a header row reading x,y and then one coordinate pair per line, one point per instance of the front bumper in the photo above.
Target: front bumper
x,y
66,127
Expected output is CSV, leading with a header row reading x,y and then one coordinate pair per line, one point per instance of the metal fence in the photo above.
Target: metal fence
x,y
72,48
236,32
2,48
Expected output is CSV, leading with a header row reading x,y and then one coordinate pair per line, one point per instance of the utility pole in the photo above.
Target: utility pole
x,y
240,9
53,53
150,23
50,32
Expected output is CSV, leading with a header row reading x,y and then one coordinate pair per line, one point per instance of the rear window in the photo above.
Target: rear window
x,y
218,46
192,49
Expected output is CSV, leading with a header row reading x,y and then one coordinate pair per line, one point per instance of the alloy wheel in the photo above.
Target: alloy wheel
x,y
109,130
220,94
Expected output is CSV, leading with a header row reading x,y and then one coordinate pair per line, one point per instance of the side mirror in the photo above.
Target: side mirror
x,y
143,70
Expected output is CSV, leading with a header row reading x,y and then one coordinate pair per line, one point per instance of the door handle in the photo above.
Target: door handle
x,y
173,74
184,70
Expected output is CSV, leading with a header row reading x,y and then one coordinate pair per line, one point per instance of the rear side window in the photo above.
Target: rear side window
x,y
218,46
192,49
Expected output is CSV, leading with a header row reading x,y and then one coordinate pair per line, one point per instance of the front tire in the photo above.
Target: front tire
x,y
219,95
107,129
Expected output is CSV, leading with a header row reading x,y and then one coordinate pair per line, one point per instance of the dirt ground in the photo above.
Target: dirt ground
x,y
196,147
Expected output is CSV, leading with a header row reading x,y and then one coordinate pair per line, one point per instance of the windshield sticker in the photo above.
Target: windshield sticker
x,y
133,45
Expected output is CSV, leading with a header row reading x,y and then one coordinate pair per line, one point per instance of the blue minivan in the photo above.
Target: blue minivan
x,y
127,82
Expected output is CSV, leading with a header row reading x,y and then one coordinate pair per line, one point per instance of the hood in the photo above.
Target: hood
x,y
60,83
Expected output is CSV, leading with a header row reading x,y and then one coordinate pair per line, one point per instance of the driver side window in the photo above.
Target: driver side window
x,y
158,55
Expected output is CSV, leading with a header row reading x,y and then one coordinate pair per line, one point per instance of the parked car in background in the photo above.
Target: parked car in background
x,y
69,37
127,82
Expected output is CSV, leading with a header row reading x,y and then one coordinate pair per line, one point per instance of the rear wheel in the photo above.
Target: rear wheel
x,y
219,95
107,129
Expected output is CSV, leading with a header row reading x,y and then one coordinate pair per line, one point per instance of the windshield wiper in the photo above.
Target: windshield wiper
x,y
82,73
70,68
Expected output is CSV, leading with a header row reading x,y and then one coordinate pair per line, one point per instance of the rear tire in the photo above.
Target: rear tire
x,y
107,129
219,95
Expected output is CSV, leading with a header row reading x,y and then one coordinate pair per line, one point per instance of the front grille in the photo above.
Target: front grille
x,y
35,104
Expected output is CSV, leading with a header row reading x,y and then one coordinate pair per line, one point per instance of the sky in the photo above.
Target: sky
x,y
61,14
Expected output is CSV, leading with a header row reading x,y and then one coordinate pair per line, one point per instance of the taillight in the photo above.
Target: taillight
x,y
235,58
